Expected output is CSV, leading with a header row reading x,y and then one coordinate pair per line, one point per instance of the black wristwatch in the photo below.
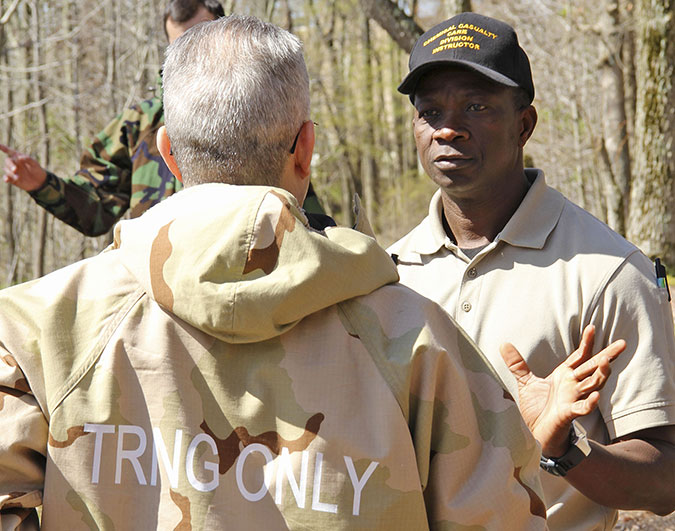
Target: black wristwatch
x,y
578,450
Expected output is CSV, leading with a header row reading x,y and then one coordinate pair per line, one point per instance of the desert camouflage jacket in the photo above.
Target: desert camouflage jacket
x,y
121,170
224,366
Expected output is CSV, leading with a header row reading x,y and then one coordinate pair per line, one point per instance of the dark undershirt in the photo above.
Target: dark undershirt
x,y
470,253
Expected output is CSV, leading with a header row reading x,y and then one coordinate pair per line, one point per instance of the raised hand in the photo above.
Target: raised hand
x,y
22,171
549,404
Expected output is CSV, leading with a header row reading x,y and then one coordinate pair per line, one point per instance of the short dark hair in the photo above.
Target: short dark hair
x,y
182,10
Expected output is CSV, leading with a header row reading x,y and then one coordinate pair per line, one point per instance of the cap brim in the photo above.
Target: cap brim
x,y
410,81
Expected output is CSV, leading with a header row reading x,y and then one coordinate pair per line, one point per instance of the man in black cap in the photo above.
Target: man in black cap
x,y
511,259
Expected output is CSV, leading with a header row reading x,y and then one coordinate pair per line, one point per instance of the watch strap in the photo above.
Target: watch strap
x,y
578,450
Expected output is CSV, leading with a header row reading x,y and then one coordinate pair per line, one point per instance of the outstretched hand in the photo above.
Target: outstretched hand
x,y
22,171
549,404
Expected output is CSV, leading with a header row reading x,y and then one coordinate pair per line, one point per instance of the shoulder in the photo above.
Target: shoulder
x,y
547,220
403,320
148,106
397,305
596,232
132,124
83,299
580,238
140,116
75,296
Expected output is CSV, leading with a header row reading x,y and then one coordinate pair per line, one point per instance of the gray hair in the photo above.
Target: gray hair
x,y
236,92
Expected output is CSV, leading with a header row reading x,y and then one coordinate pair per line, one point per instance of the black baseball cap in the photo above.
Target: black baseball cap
x,y
483,44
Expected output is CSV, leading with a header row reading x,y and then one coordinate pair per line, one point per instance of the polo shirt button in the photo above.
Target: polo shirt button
x,y
466,306
472,273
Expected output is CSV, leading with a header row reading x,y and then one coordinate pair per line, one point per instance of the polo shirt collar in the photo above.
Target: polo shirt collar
x,y
537,215
529,226
431,236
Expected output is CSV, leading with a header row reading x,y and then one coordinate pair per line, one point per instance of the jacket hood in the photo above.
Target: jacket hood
x,y
241,262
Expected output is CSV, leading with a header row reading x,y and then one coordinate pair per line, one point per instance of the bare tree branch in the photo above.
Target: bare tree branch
x,y
401,27
9,12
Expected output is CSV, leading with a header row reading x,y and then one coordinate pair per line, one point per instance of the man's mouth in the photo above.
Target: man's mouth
x,y
450,160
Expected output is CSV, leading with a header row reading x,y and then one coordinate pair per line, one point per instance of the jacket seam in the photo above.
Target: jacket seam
x,y
79,373
396,386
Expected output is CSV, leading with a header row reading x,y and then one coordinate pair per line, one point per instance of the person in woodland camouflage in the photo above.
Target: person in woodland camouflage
x,y
223,365
122,169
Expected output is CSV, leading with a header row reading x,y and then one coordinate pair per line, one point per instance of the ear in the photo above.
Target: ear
x,y
528,123
164,147
304,149
295,175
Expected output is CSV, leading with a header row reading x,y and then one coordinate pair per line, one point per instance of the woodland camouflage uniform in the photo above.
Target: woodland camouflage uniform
x,y
121,170
224,366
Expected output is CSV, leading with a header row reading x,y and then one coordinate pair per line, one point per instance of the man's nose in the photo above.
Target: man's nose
x,y
450,128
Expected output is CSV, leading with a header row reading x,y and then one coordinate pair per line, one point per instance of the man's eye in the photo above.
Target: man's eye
x,y
476,107
428,113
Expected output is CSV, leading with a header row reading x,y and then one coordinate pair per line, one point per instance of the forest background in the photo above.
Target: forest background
x,y
603,72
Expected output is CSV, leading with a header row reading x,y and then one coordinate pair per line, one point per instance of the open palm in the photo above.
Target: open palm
x,y
549,404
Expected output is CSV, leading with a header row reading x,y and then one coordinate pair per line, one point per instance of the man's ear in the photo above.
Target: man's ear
x,y
164,147
304,149
528,123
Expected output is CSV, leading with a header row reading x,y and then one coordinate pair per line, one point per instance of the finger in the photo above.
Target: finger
x,y
595,381
588,371
598,377
584,407
515,362
585,348
605,356
613,350
8,150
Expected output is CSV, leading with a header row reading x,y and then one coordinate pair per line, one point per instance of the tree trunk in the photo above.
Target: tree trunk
x,y
615,137
113,16
578,156
71,16
288,12
628,62
368,164
8,192
43,151
652,221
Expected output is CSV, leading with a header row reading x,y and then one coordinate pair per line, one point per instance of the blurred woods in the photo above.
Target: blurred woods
x,y
603,73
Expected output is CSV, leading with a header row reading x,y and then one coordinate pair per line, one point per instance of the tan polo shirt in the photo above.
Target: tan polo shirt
x,y
552,270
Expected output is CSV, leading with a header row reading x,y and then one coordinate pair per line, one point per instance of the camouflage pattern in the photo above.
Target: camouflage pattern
x,y
224,366
121,170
